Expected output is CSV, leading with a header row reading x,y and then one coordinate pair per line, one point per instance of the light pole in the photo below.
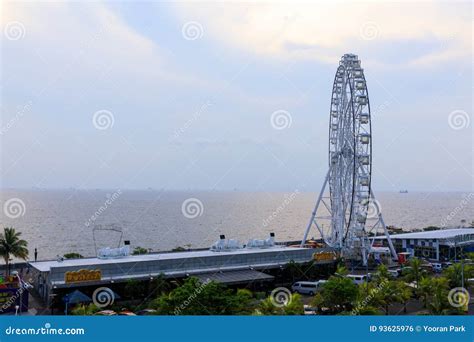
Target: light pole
x,y
20,289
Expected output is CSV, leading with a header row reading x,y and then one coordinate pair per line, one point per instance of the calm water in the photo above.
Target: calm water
x,y
62,221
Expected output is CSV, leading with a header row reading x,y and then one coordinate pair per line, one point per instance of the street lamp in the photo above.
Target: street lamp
x,y
20,289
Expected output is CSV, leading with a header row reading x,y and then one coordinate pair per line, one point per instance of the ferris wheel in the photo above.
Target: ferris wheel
x,y
349,204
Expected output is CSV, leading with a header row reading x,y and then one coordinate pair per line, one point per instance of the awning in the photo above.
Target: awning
x,y
235,277
76,297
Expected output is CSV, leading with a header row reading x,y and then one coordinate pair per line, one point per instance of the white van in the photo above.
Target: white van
x,y
307,287
357,278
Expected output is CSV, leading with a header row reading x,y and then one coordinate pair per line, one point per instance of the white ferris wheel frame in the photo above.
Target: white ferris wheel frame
x,y
350,169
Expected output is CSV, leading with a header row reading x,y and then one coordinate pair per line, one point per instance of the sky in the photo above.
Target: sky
x,y
229,96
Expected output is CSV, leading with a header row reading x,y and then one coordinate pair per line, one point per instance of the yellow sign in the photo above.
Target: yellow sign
x,y
324,256
82,275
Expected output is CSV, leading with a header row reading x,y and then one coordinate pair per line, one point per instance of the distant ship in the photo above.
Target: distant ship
x,y
404,191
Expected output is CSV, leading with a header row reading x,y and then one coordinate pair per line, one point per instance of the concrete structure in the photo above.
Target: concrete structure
x,y
50,275
443,244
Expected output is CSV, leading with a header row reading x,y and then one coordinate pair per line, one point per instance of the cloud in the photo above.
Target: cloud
x,y
77,44
324,31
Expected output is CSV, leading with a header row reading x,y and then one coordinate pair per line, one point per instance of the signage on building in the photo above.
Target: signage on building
x,y
324,256
82,276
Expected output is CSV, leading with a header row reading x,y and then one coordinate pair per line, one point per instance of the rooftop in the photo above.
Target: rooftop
x,y
435,234
45,266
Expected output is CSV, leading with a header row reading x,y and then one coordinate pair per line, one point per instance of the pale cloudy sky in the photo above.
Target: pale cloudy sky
x,y
186,91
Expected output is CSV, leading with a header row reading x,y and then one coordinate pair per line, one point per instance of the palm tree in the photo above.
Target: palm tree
x,y
425,289
405,293
388,294
415,272
454,274
85,310
12,245
439,304
382,275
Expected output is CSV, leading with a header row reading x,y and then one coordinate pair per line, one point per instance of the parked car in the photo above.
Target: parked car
x,y
357,278
437,267
145,312
106,313
394,273
427,267
307,287
309,310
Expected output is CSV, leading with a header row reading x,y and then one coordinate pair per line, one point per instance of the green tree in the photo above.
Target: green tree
x,y
415,272
388,294
194,297
292,271
367,300
405,293
12,245
72,255
439,304
294,307
382,274
159,286
454,275
139,250
435,293
242,302
338,294
341,270
425,289
367,311
135,288
84,310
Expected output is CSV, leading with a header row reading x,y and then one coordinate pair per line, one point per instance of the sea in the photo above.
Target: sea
x,y
56,222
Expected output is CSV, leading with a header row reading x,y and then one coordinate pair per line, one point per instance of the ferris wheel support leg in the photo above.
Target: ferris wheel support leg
x,y
313,215
387,235
364,256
